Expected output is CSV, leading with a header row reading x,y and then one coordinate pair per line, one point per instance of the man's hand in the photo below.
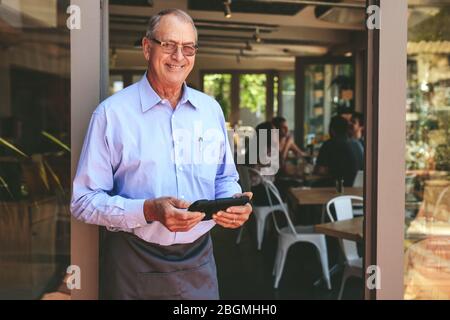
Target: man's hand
x,y
234,217
167,210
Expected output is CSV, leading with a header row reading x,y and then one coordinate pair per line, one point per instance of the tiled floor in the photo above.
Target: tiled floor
x,y
246,273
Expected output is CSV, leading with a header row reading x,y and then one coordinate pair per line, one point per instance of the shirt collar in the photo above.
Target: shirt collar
x,y
190,95
149,97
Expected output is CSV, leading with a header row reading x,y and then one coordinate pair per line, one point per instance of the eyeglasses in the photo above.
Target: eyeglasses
x,y
171,47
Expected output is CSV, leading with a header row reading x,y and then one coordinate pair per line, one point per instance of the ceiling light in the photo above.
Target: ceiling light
x,y
256,35
227,9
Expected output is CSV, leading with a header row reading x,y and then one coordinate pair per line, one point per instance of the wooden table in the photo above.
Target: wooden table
x,y
320,196
345,229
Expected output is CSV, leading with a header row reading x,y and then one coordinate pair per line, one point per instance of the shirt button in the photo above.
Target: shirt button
x,y
180,168
182,197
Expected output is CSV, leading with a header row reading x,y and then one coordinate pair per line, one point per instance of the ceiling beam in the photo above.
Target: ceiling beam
x,y
349,5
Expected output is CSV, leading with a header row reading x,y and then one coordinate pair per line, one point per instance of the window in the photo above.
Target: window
x,y
116,84
252,99
328,87
219,87
250,95
427,225
288,98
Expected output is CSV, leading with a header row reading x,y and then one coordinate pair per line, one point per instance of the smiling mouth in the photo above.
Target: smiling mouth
x,y
174,67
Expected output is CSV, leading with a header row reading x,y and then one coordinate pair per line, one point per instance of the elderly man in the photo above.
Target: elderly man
x,y
150,150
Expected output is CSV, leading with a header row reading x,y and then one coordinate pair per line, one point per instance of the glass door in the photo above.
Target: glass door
x,y
35,103
427,211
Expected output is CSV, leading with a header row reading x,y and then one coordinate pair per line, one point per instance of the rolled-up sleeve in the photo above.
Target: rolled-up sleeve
x,y
92,201
227,178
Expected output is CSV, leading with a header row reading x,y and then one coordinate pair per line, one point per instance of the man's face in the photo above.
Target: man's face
x,y
170,69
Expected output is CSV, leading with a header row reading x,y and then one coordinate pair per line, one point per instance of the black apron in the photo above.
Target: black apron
x,y
135,269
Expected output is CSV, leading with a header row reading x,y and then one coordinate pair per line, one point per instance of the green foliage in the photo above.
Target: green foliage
x,y
289,83
219,87
253,92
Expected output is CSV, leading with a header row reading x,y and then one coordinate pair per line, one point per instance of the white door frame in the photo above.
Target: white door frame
x,y
89,82
385,149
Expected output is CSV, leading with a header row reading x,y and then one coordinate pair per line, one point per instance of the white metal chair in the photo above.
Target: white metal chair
x,y
353,262
359,179
259,212
358,210
291,234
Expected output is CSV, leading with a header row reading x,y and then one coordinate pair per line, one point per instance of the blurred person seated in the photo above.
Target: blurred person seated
x,y
287,142
355,122
263,149
345,112
337,157
358,127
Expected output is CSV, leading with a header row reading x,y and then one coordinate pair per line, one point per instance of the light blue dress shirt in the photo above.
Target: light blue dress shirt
x,y
138,147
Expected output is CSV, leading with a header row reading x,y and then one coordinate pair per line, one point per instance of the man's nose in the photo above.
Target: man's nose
x,y
178,54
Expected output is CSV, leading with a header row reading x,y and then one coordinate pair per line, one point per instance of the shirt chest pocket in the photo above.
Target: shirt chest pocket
x,y
208,155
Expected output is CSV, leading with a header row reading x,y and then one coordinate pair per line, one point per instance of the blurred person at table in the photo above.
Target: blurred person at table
x,y
337,158
355,122
286,142
265,143
357,127
345,112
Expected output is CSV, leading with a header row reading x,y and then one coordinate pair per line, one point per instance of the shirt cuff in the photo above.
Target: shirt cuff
x,y
134,213
228,191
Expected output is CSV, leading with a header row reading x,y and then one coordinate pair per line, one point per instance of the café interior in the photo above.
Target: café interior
x,y
294,68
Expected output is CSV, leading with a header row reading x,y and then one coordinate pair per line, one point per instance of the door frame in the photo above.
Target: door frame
x,y
89,84
384,186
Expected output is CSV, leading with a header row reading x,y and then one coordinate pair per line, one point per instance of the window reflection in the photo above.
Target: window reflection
x,y
34,147
427,238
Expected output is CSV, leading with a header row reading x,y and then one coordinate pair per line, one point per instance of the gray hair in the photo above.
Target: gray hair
x,y
154,21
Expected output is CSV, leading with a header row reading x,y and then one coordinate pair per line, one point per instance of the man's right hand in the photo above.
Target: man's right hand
x,y
167,210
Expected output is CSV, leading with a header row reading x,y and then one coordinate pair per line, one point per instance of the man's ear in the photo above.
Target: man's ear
x,y
146,48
